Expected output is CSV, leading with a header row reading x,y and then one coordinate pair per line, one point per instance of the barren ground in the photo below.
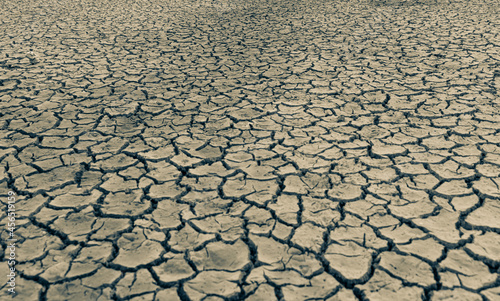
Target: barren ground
x,y
251,150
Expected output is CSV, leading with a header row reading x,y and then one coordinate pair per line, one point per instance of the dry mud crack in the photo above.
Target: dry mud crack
x,y
251,150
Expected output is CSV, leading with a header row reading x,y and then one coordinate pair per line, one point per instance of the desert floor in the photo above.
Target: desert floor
x,y
251,150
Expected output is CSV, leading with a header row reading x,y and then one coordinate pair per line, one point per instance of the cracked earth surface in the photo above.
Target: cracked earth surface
x,y
252,150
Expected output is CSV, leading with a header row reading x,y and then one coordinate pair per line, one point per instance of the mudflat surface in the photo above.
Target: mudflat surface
x,y
252,150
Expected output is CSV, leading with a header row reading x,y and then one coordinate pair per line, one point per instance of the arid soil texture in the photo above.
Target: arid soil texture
x,y
251,150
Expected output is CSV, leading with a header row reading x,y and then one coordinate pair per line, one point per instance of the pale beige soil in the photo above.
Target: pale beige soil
x,y
251,150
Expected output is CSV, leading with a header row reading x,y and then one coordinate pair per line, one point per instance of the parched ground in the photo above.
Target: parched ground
x,y
251,150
